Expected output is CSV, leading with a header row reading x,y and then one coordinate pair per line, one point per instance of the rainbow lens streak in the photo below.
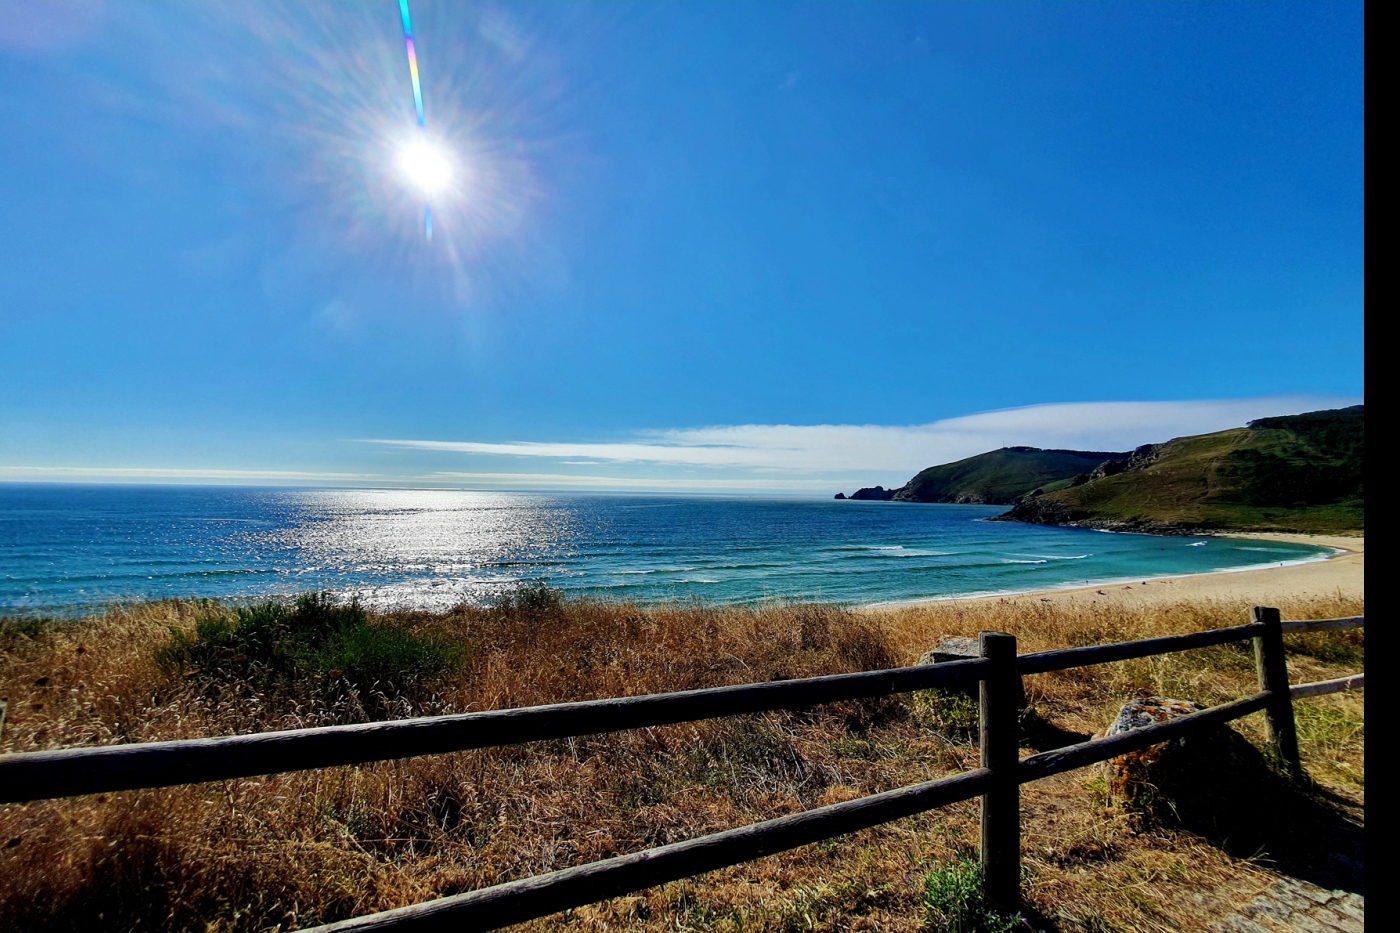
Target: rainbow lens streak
x,y
417,97
412,59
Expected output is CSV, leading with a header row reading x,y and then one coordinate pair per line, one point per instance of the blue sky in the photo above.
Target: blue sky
x,y
740,246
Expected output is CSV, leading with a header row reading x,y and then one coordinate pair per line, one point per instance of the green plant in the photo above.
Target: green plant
x,y
946,711
536,596
954,902
275,640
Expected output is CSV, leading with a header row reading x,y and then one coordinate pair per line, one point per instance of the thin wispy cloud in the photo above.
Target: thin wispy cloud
x,y
831,448
176,475
626,483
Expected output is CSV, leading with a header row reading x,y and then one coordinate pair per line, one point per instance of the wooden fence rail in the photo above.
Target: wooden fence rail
x,y
1324,687
68,772
1322,625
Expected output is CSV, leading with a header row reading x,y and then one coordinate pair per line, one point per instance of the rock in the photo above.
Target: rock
x,y
1143,456
841,495
1149,711
952,648
875,493
1149,780
1037,510
961,648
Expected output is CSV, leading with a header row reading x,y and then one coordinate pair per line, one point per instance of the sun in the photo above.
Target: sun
x,y
425,166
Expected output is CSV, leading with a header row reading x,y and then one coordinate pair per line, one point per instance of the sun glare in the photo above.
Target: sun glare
x,y
425,166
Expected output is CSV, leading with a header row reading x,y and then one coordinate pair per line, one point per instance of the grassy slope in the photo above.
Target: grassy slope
x,y
292,850
1193,484
1000,475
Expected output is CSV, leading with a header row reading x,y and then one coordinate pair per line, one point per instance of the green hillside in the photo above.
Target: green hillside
x,y
1295,473
1000,476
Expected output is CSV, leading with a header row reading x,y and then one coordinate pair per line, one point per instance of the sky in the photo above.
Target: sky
x,y
735,247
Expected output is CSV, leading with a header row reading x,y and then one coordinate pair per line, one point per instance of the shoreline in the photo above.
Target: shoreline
x,y
1343,571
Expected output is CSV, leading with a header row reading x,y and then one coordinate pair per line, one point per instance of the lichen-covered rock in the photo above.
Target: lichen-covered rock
x,y
1139,778
1149,711
1212,782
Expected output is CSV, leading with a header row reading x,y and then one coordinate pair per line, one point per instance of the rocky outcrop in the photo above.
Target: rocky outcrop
x,y
840,495
905,494
1142,457
874,493
1037,510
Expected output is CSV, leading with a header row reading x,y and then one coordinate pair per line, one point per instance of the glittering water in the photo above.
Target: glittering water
x,y
64,549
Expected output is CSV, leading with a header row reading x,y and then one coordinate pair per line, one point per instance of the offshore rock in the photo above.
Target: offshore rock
x,y
875,493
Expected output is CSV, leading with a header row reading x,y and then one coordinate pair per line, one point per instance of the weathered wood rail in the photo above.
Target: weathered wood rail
x,y
90,770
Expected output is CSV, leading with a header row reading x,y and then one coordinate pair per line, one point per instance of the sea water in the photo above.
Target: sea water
x,y
68,549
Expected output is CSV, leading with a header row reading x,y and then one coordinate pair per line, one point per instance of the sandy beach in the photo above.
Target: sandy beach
x,y
1343,573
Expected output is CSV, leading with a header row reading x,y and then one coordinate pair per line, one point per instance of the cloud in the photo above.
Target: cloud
x,y
763,459
829,448
173,475
627,483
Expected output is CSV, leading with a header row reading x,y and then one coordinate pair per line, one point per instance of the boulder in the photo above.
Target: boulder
x,y
1148,711
960,648
952,648
1214,784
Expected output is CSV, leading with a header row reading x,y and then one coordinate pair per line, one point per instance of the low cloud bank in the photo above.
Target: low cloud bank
x,y
831,448
769,459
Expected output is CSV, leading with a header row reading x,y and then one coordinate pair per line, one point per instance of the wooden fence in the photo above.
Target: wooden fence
x,y
998,671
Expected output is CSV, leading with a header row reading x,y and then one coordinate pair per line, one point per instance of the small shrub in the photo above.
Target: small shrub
x,y
536,596
954,902
277,641
369,655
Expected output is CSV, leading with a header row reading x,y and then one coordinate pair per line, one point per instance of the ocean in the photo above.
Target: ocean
x,y
66,550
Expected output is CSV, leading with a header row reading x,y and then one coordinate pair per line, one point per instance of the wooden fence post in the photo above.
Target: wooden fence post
x,y
1272,666
1001,806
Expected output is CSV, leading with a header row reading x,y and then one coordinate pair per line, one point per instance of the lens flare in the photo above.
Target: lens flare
x,y
426,167
412,59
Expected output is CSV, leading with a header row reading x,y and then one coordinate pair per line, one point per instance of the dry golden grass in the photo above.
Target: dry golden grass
x,y
293,850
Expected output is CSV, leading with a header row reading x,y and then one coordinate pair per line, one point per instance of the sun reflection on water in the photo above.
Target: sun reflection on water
x,y
469,546
66,549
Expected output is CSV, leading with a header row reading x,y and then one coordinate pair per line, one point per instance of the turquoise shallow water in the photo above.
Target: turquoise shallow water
x,y
65,549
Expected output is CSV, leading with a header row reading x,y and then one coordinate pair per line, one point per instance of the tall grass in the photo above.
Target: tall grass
x,y
291,850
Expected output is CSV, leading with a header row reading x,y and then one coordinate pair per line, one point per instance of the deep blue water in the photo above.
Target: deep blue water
x,y
64,549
